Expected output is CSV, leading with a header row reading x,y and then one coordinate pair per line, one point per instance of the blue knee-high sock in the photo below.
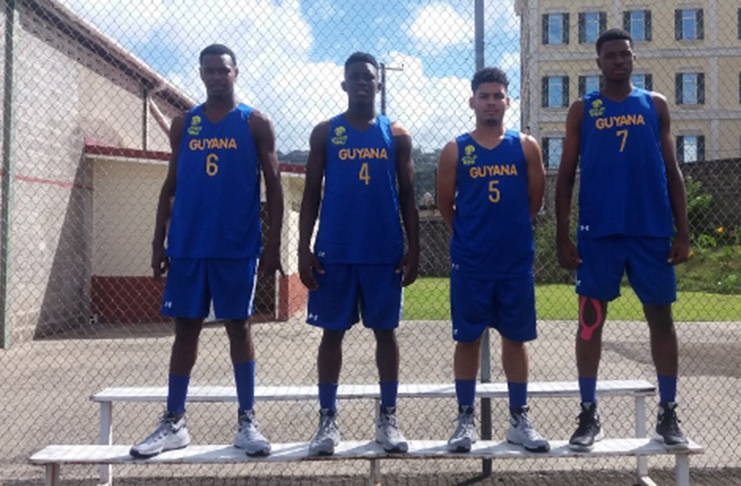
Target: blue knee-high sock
x,y
588,389
177,391
244,375
667,388
465,391
328,395
389,391
517,395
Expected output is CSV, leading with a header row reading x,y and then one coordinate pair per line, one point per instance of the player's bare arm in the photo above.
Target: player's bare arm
x,y
160,262
680,251
568,255
409,264
261,128
535,173
307,261
446,181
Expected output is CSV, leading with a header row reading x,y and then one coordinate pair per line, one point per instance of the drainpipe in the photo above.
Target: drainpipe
x,y
7,171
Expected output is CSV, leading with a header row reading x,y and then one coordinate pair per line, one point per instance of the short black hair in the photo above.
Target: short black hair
x,y
361,57
611,35
217,50
489,75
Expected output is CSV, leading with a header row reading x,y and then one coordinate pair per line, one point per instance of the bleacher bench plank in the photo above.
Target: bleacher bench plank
x,y
287,393
298,451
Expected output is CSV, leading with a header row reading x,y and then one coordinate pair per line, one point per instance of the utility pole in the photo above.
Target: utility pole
x,y
384,68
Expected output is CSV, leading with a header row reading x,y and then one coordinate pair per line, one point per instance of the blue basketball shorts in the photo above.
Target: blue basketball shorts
x,y
193,283
347,291
506,304
643,259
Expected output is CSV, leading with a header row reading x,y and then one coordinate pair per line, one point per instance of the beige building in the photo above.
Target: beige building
x,y
688,50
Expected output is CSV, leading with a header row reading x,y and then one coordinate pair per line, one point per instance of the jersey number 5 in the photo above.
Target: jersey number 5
x,y
212,167
624,134
494,193
364,173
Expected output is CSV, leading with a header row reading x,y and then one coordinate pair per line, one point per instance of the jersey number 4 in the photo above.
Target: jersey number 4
x,y
212,168
364,173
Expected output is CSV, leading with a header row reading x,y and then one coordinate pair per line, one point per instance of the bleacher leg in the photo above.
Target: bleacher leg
x,y
52,475
640,424
375,474
106,438
683,469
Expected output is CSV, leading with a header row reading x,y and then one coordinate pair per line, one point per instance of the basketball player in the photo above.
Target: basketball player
x,y
490,184
357,266
630,188
213,242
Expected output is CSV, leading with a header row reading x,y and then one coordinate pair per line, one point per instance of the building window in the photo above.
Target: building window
x,y
589,84
638,24
555,28
552,150
591,26
690,88
555,92
738,21
643,81
689,24
690,148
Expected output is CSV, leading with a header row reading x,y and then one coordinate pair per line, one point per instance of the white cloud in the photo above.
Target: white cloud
x,y
438,26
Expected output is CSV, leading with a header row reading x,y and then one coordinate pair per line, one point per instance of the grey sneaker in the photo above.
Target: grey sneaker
x,y
387,432
521,432
667,428
249,437
170,434
327,436
465,433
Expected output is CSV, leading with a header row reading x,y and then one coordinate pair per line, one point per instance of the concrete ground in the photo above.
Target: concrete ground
x,y
45,388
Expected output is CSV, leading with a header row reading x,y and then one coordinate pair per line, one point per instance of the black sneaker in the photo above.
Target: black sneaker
x,y
667,428
589,430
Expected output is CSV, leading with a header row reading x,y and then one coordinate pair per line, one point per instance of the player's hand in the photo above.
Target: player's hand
x,y
160,262
307,263
409,267
270,260
680,250
568,255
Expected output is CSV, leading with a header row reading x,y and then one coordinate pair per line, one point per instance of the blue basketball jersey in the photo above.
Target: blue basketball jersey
x,y
359,220
216,213
623,188
492,230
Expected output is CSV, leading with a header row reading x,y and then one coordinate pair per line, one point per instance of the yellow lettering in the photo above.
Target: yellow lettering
x,y
383,155
640,120
513,170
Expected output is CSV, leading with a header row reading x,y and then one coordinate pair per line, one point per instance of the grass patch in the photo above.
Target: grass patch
x,y
429,299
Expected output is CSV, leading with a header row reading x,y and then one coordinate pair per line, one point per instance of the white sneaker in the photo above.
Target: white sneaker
x,y
465,433
327,436
521,432
170,434
249,437
387,432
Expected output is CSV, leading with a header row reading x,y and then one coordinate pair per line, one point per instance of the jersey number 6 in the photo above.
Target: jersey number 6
x,y
211,167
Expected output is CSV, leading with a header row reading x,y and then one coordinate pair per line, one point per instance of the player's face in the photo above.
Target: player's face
x,y
218,74
361,83
489,103
616,60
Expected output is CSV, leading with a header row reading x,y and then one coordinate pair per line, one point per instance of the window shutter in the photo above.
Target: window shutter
x,y
544,92
647,20
739,87
626,22
565,30
678,98
565,92
582,28
603,22
544,29
680,149
678,31
700,88
546,152
649,82
700,23
701,148
738,20
582,86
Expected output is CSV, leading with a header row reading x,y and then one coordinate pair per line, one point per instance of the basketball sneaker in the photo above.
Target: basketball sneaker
x,y
589,430
249,437
521,432
170,434
327,435
667,428
387,431
465,433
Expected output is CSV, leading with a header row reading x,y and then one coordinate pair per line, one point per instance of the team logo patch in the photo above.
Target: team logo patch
x,y
195,126
597,109
339,136
470,157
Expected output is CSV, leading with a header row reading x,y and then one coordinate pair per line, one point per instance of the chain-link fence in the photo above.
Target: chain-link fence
x,y
89,91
